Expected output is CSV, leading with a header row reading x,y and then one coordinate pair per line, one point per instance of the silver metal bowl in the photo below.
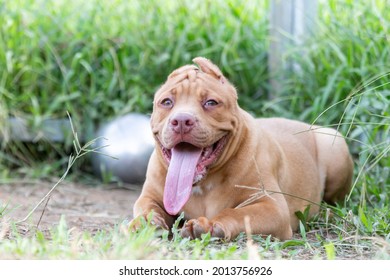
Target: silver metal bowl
x,y
127,143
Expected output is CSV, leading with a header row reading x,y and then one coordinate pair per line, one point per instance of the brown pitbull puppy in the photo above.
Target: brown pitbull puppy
x,y
217,164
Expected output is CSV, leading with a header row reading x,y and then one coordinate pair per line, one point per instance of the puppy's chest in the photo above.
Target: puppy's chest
x,y
204,202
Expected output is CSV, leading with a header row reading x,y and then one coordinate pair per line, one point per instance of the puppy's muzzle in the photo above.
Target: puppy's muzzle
x,y
182,123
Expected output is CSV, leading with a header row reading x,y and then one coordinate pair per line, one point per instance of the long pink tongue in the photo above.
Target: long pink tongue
x,y
181,172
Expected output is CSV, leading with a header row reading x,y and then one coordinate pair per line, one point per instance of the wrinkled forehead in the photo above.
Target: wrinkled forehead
x,y
190,75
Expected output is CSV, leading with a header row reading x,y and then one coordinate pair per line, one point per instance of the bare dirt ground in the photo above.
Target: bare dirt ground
x,y
90,208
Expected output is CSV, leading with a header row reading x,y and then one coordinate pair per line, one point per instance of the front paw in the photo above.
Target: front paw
x,y
194,228
153,219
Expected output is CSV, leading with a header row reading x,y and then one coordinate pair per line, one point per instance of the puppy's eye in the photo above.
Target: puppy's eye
x,y
210,103
167,102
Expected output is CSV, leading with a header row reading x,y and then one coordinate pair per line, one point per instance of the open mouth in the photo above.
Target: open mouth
x,y
187,165
208,155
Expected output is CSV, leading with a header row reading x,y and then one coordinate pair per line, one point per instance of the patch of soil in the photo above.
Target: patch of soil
x,y
90,208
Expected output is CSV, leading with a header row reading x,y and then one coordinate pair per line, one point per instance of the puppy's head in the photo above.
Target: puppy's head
x,y
195,113
196,105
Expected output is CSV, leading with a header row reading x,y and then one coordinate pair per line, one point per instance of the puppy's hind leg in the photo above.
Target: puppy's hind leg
x,y
335,162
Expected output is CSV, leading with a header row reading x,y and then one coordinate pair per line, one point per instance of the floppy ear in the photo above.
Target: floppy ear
x,y
210,68
181,70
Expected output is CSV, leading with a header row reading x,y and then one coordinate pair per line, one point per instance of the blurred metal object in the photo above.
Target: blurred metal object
x,y
291,24
130,141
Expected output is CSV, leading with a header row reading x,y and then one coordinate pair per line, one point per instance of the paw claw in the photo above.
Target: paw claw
x,y
198,230
218,231
186,232
196,227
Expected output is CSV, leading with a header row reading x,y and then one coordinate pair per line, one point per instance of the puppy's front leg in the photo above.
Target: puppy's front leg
x,y
148,208
266,217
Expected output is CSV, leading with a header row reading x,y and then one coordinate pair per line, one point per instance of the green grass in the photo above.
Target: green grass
x,y
101,60
61,242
